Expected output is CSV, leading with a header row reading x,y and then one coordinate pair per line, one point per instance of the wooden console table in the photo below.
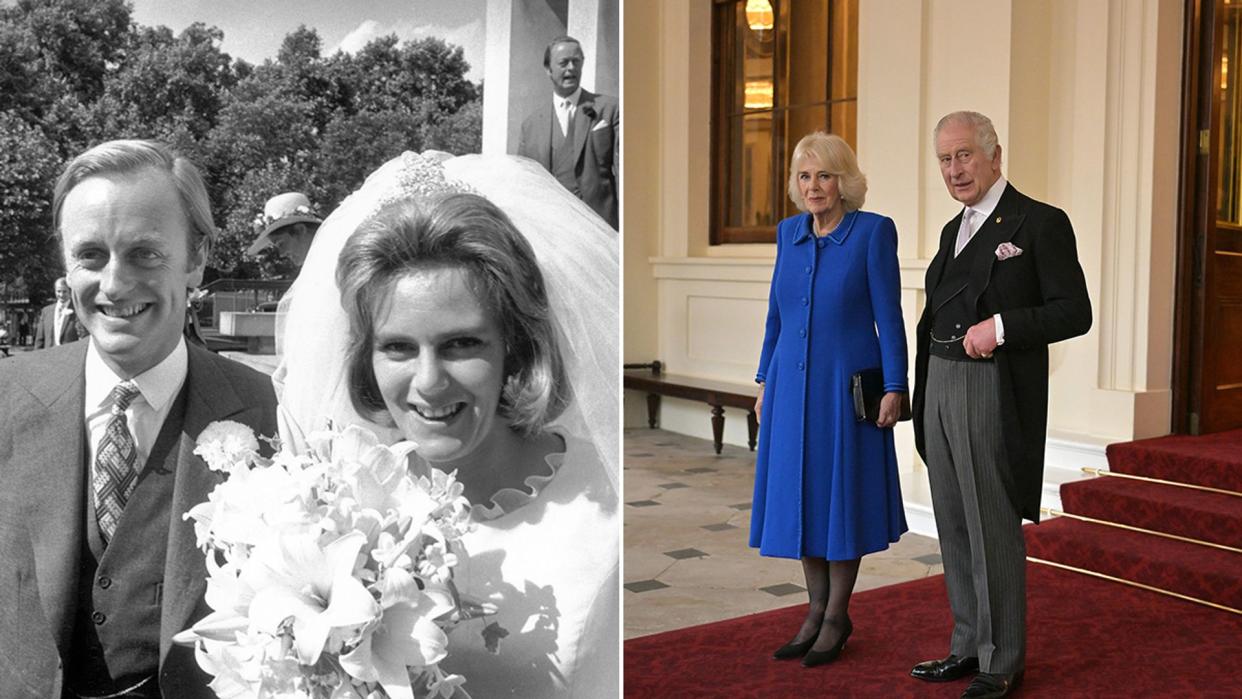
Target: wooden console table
x,y
717,394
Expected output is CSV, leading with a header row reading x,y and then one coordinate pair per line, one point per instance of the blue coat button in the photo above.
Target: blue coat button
x,y
802,332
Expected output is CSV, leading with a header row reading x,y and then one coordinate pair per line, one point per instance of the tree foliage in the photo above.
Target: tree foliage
x,y
74,73
28,167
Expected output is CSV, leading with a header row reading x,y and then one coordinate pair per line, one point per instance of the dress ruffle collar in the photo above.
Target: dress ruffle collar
x,y
508,500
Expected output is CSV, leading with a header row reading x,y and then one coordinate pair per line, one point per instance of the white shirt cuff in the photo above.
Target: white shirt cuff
x,y
1000,330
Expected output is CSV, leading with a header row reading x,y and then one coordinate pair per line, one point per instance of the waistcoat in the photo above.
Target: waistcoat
x,y
564,159
953,309
116,635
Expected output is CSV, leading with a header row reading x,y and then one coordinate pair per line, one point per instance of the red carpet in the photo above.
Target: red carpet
x,y
1205,572
1183,511
1214,460
1189,569
1087,638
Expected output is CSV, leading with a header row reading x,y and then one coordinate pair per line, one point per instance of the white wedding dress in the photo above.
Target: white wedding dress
x,y
547,556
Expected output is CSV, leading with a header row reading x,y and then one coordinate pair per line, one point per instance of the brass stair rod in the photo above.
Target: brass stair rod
x,y
1058,513
1114,474
1140,585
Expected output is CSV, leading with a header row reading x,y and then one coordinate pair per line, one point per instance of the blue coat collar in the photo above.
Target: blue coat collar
x,y
805,230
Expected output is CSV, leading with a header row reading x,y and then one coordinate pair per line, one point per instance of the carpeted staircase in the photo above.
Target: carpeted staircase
x,y
1208,569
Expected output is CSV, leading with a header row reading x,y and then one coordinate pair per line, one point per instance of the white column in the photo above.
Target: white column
x,y
594,24
514,80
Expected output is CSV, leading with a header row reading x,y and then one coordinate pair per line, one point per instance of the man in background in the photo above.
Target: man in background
x,y
58,324
574,135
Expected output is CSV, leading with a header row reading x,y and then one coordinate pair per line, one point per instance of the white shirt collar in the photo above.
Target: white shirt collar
x,y
987,204
158,385
573,99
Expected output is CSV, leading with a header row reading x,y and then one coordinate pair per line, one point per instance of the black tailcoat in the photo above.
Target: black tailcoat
x,y
1042,298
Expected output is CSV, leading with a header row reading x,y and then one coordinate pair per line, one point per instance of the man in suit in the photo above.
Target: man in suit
x,y
1004,285
574,135
58,324
96,464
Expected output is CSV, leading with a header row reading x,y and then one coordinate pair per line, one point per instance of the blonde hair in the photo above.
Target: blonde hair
x,y
837,158
124,157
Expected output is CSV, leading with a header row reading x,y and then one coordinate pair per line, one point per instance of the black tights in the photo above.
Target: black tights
x,y
829,585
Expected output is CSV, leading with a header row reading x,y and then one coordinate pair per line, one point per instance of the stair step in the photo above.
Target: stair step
x,y
1198,571
1196,514
1213,460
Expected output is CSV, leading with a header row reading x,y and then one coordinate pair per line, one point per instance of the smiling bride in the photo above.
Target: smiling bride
x,y
469,305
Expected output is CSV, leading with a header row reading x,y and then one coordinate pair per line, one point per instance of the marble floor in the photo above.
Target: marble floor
x,y
687,517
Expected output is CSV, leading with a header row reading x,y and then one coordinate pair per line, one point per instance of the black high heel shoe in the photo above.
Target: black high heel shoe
x,y
823,657
793,650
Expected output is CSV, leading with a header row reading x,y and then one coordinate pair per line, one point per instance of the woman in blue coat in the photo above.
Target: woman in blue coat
x,y
826,485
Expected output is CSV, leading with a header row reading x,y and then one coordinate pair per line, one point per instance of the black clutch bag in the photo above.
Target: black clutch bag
x,y
867,388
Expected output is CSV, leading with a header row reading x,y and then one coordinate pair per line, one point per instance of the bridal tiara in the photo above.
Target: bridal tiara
x,y
420,177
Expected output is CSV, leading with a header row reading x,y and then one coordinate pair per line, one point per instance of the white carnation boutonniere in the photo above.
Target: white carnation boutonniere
x,y
329,572
225,444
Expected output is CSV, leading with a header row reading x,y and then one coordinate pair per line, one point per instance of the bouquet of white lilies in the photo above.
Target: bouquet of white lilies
x,y
329,571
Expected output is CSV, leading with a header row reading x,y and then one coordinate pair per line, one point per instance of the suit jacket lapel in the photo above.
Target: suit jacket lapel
x,y
209,397
66,322
543,143
55,479
582,122
1000,227
47,322
936,268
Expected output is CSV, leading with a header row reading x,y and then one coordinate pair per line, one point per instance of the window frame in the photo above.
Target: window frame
x,y
725,79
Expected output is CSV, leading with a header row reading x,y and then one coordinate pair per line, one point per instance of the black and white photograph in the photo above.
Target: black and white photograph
x,y
885,348
310,315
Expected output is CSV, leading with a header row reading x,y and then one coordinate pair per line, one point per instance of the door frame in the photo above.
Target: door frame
x,y
1194,177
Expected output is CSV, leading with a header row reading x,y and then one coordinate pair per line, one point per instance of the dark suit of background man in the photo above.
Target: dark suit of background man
x,y
100,570
58,324
574,135
1004,285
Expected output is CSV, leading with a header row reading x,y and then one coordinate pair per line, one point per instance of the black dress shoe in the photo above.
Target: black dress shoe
x,y
794,650
823,657
947,670
988,685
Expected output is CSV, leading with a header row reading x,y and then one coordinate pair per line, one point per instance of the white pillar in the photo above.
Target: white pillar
x,y
514,81
594,24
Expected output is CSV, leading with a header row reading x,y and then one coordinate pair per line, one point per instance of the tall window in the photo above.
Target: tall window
x,y
781,69
1229,196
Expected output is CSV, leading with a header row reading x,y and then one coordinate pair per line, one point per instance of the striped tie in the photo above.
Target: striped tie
x,y
115,472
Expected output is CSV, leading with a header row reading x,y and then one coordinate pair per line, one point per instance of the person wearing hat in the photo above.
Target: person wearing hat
x,y
288,223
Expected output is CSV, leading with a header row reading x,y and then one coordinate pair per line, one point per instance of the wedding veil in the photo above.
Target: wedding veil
x,y
577,254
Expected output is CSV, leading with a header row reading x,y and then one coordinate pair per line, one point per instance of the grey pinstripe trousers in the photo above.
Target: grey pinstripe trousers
x,y
980,531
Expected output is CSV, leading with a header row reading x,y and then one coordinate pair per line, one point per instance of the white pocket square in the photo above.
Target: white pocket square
x,y
600,125
1004,251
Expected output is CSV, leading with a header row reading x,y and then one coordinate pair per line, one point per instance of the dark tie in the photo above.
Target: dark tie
x,y
115,462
